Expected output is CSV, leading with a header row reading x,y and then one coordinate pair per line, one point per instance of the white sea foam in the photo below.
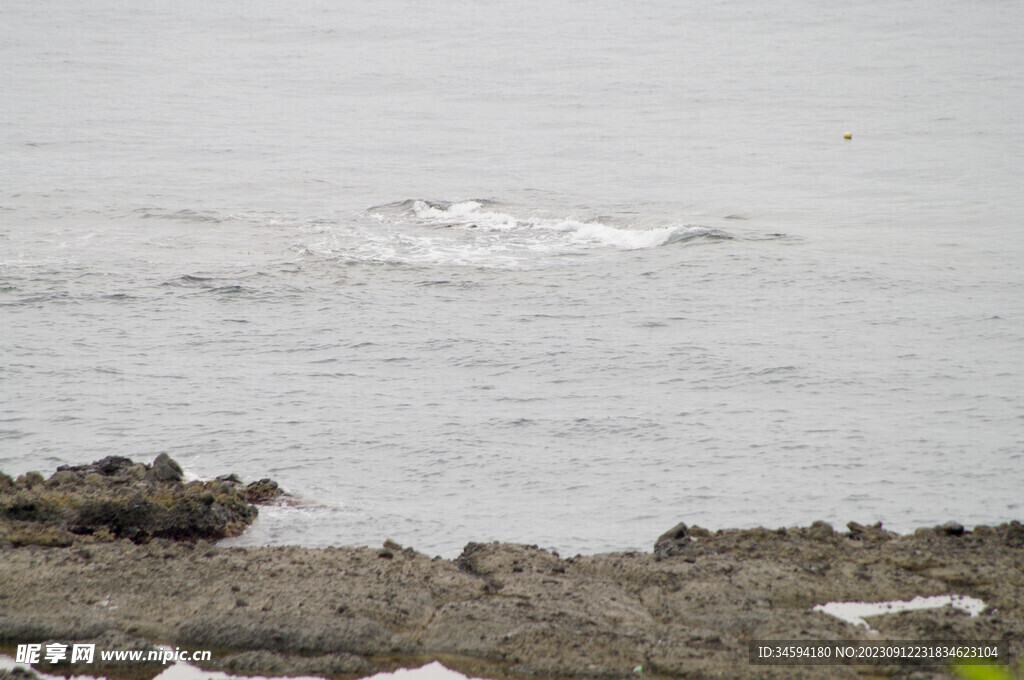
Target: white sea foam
x,y
486,234
486,215
856,612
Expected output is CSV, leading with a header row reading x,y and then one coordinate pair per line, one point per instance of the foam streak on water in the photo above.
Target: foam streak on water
x,y
565,276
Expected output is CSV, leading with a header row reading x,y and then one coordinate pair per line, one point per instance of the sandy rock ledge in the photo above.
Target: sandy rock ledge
x,y
687,609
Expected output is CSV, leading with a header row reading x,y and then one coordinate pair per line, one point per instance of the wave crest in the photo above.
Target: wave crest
x,y
486,233
481,214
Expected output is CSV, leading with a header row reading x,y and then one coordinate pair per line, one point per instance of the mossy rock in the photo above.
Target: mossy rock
x,y
263,491
115,498
30,533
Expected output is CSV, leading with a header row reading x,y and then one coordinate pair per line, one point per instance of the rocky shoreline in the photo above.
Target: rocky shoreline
x,y
122,554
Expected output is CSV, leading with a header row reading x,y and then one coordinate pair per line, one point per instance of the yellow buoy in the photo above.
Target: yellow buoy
x,y
847,135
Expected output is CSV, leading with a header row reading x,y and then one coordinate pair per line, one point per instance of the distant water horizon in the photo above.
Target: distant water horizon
x,y
562,274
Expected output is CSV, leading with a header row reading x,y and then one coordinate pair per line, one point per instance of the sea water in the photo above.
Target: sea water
x,y
555,272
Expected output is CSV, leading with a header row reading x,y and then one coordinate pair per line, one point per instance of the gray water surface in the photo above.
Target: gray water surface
x,y
562,273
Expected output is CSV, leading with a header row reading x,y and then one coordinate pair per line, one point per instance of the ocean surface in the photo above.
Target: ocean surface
x,y
558,272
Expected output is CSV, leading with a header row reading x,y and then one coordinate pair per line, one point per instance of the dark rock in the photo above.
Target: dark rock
x,y
675,541
1013,534
23,507
197,514
113,465
29,479
131,519
465,561
674,534
875,532
62,477
165,469
698,532
393,546
262,491
952,528
137,471
820,531
107,500
108,467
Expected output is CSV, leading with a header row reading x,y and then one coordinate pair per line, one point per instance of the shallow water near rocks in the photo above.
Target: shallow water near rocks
x,y
562,276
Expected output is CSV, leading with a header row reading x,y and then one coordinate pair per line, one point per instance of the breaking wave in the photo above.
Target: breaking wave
x,y
488,215
489,234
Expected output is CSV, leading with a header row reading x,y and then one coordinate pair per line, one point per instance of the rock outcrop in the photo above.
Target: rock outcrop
x,y
116,498
689,609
